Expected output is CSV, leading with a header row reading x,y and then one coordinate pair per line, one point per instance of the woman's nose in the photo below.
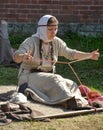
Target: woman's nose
x,y
54,31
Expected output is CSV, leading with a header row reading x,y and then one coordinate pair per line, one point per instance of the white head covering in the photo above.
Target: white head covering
x,y
42,30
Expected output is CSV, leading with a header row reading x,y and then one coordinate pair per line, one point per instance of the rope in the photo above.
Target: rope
x,y
74,73
81,84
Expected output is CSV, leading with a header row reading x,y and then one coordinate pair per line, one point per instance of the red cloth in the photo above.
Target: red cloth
x,y
95,96
92,96
84,90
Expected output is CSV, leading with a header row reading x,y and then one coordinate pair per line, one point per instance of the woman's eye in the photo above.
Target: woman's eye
x,y
52,29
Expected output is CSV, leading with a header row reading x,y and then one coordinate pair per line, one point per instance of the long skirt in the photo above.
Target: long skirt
x,y
49,88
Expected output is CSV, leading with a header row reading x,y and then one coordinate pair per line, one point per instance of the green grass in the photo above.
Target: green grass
x,y
89,76
86,122
8,76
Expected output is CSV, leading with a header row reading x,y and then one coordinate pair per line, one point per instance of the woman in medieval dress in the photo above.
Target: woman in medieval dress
x,y
38,55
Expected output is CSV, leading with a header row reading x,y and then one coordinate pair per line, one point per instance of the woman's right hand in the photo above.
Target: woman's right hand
x,y
27,57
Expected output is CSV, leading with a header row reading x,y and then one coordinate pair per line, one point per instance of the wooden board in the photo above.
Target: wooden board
x,y
72,113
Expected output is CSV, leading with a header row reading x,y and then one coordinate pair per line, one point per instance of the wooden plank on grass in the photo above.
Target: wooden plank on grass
x,y
71,113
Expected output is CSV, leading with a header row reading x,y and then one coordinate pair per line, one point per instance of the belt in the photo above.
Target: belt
x,y
39,70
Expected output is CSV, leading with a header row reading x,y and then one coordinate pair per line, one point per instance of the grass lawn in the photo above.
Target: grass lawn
x,y
86,122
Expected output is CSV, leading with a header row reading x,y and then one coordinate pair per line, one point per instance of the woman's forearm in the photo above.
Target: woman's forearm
x,y
82,55
94,55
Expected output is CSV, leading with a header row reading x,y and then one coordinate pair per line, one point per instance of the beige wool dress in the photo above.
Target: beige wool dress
x,y
47,88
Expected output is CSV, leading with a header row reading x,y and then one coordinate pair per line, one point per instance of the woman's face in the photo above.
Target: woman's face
x,y
52,31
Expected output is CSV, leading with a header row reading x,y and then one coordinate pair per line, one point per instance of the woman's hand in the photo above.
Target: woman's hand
x,y
95,55
27,57
18,58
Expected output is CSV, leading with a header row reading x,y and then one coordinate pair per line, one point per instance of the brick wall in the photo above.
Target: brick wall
x,y
83,11
67,11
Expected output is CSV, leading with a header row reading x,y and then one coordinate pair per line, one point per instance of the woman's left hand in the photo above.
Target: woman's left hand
x,y
95,55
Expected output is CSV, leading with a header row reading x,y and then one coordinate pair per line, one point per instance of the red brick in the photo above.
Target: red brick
x,y
65,10
24,1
